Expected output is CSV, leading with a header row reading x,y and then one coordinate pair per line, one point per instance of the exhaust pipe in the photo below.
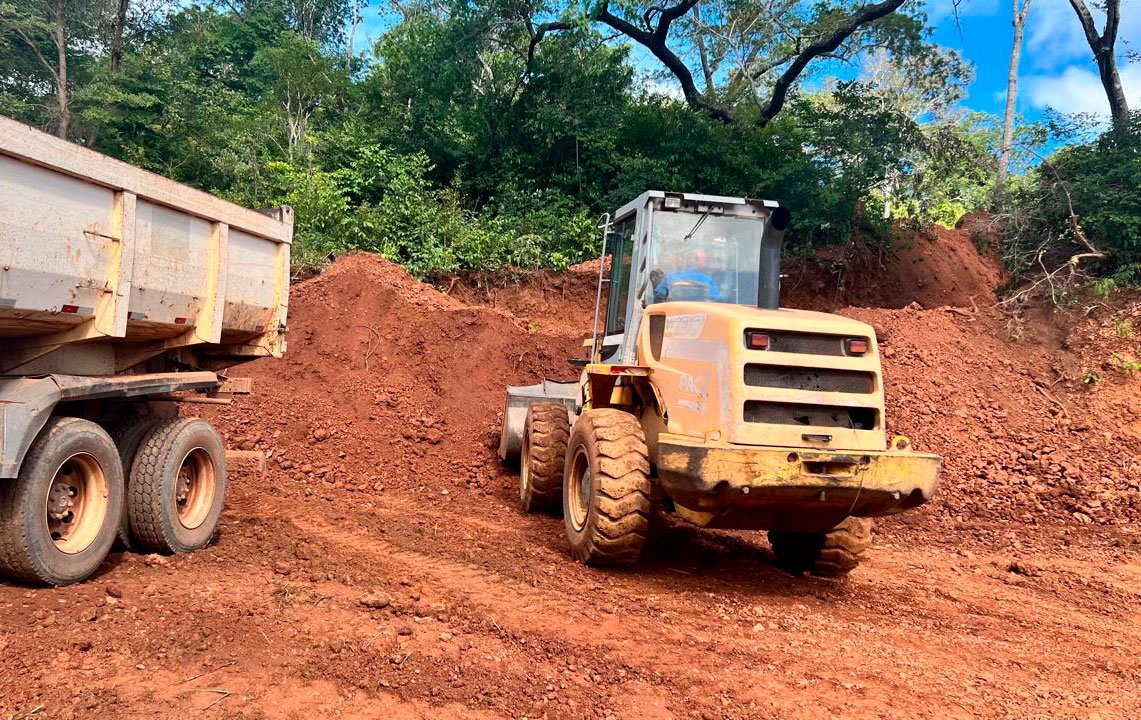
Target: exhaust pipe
x,y
768,287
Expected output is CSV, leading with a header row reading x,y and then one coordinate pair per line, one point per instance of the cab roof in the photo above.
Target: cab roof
x,y
641,200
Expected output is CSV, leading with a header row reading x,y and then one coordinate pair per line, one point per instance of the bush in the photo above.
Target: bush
x,y
1102,177
382,202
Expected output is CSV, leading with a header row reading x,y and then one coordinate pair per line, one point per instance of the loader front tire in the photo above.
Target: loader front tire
x,y
177,486
58,518
606,488
543,456
831,554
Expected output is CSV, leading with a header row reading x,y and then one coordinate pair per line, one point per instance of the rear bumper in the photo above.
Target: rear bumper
x,y
792,489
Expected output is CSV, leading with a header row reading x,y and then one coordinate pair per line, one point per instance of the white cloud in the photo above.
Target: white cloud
x,y
1054,36
662,85
1078,90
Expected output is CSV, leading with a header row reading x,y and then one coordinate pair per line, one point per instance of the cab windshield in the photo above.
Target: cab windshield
x,y
705,257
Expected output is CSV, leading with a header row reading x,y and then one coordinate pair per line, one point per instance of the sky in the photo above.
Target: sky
x,y
1057,69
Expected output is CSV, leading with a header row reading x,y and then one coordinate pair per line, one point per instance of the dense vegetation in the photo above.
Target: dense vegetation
x,y
1080,210
487,133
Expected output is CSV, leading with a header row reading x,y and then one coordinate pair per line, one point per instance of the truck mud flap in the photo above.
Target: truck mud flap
x,y
519,398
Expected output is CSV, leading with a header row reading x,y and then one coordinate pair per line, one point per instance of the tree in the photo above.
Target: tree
x,y
44,28
766,46
322,21
1021,8
1103,47
117,34
301,81
354,20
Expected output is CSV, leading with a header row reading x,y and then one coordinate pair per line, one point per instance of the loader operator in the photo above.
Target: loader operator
x,y
684,274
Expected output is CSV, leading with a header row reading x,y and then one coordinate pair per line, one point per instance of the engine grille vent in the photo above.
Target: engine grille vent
x,y
812,379
805,343
774,413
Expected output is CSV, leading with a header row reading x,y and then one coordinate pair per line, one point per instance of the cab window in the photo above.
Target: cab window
x,y
621,250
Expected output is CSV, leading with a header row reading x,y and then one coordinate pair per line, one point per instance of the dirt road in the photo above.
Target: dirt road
x,y
381,567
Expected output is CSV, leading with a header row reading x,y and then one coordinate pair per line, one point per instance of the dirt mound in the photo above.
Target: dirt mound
x,y
561,301
419,379
1018,440
388,382
935,267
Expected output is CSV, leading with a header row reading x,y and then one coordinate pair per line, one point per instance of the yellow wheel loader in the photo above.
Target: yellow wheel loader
x,y
705,396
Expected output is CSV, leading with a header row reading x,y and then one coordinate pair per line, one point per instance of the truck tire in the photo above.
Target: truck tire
x,y
177,486
128,435
830,554
606,488
543,456
58,518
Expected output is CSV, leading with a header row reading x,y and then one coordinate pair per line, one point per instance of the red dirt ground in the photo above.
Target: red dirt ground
x,y
381,567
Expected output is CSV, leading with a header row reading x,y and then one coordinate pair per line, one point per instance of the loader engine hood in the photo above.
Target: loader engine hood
x,y
752,376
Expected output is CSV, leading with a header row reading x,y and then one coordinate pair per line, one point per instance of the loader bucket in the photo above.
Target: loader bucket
x,y
515,412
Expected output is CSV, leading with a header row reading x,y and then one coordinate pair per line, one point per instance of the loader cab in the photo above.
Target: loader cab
x,y
666,247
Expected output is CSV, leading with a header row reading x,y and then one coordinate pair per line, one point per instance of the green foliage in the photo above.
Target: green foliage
x,y
461,145
1126,364
383,202
1101,178
1103,287
1123,327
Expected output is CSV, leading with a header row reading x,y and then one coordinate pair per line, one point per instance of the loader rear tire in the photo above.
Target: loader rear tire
x,y
128,435
177,486
58,518
543,456
831,554
606,488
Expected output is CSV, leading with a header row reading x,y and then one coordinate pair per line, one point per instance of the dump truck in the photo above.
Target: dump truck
x,y
703,397
123,296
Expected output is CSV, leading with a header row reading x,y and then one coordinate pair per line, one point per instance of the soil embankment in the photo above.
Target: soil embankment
x,y
381,567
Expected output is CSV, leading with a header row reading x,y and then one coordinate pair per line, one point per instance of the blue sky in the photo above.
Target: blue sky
x,y
1057,67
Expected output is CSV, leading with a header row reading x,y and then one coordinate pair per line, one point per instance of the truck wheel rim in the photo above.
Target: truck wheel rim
x,y
579,490
525,466
77,503
194,492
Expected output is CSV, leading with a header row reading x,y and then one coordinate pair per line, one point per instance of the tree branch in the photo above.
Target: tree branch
x,y
1087,22
656,43
1112,18
39,55
537,35
863,16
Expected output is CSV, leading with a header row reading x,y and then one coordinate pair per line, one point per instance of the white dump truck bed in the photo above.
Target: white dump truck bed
x,y
105,267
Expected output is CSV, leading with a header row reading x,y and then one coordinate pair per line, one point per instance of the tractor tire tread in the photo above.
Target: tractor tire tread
x,y
18,556
616,533
145,488
128,435
550,430
832,554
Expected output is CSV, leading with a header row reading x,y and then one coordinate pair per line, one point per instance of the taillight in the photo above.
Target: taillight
x,y
757,340
856,346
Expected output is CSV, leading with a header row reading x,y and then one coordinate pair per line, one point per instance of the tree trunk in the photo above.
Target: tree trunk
x,y
117,36
352,37
59,34
1103,47
1111,81
699,38
1020,10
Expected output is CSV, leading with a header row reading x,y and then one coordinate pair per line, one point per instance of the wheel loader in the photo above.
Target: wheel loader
x,y
701,395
